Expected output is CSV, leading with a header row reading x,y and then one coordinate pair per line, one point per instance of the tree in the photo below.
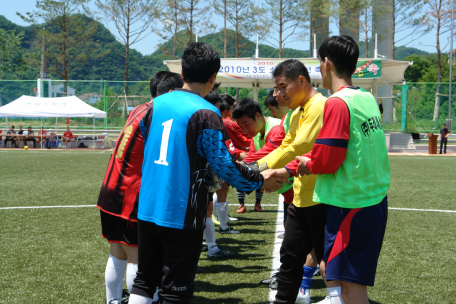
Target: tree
x,y
285,17
220,7
438,17
67,37
241,14
407,18
415,72
172,23
197,18
10,59
133,20
365,23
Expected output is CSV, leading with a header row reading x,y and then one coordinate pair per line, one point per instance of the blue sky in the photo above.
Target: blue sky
x,y
148,45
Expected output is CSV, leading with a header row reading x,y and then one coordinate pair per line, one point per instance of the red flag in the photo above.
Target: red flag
x,y
68,120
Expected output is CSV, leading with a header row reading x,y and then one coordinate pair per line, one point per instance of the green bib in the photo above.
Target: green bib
x,y
271,123
364,177
286,122
259,143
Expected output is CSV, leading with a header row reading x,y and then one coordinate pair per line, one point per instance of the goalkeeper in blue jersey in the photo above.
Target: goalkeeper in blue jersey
x,y
186,135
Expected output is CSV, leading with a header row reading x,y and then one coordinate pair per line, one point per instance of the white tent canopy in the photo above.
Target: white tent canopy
x,y
29,106
256,73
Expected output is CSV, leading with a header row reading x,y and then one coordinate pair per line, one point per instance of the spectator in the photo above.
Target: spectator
x,y
30,138
20,138
444,133
41,135
10,138
67,136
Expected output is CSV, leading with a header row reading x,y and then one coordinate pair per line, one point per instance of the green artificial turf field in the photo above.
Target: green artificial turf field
x,y
57,255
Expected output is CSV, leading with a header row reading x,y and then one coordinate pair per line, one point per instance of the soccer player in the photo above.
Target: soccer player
x,y
209,232
351,164
118,199
186,135
305,226
273,106
267,134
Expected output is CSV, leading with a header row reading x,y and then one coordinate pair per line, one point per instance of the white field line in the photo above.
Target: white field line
x,y
277,244
46,207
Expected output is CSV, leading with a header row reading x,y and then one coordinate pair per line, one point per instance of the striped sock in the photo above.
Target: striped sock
x,y
259,196
241,197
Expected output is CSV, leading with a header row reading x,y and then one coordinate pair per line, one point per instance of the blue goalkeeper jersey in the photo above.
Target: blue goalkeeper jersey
x,y
183,134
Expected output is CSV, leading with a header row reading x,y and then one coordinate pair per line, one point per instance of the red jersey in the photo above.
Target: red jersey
x,y
120,190
68,135
240,140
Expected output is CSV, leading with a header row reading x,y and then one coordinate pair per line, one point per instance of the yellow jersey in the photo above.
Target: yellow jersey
x,y
305,124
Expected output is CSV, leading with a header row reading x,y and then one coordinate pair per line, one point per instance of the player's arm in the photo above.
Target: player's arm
x,y
302,143
211,145
330,148
272,142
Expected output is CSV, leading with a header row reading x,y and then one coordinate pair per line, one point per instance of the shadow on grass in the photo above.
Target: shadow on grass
x,y
203,300
221,289
229,268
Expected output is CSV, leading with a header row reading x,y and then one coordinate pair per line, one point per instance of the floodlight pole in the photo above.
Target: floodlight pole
x,y
451,59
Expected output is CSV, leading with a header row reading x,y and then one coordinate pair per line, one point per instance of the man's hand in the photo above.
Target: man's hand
x,y
242,156
273,180
302,168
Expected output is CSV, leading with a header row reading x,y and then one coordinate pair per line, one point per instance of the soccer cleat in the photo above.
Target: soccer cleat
x,y
317,272
156,296
241,209
274,284
327,300
125,296
269,280
232,219
303,296
258,208
228,230
204,247
215,220
219,254
199,270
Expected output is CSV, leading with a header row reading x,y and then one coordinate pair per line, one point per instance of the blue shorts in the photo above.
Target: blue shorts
x,y
353,241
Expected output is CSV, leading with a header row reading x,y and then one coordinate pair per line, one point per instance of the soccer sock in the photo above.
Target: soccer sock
x,y
222,211
209,234
307,276
259,196
137,299
114,274
131,274
335,295
241,197
214,210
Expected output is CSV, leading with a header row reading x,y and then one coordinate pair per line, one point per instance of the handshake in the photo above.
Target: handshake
x,y
273,179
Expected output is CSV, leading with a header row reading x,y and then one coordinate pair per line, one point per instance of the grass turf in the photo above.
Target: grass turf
x,y
58,256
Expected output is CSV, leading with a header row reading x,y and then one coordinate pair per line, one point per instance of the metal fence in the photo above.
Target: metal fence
x,y
417,107
423,107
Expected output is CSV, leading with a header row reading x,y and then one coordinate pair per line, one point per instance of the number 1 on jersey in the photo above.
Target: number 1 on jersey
x,y
164,144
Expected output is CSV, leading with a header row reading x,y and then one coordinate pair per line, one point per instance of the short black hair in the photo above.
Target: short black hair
x,y
169,82
199,62
291,68
343,53
155,81
228,99
246,107
216,85
12,127
444,125
224,106
213,97
271,101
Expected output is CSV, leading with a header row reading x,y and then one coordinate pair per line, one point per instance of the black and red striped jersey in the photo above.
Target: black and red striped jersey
x,y
120,190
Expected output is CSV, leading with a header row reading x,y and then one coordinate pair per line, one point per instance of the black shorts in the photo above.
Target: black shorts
x,y
167,258
118,230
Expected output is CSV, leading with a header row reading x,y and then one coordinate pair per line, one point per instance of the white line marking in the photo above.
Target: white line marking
x,y
277,244
44,207
431,210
